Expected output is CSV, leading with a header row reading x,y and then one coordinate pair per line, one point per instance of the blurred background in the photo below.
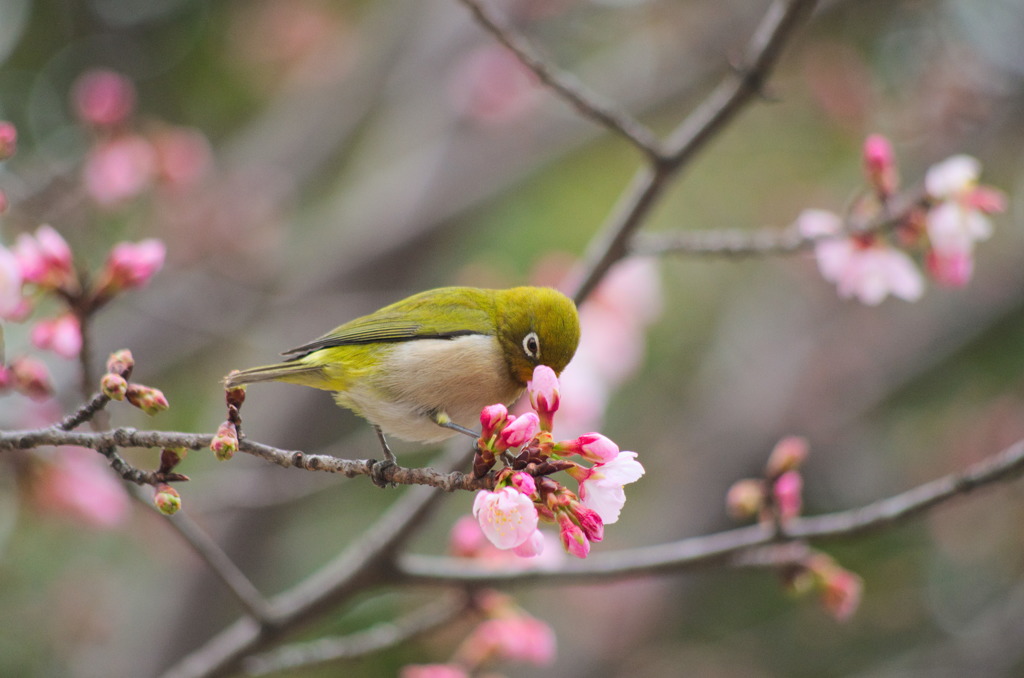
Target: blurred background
x,y
308,161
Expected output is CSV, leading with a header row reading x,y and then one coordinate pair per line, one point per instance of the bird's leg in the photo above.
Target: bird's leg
x,y
442,419
377,472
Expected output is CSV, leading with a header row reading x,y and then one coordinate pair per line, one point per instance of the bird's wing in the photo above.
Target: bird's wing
x,y
391,324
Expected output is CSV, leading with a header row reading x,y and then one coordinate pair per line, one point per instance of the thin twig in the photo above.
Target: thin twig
x,y
698,552
107,441
612,243
374,639
566,85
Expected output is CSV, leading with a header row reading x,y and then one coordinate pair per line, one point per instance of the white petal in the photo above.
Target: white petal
x,y
952,176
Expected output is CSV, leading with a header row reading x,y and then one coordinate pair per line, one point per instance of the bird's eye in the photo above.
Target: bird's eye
x,y
531,344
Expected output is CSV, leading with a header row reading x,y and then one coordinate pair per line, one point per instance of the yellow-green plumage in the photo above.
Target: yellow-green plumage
x,y
443,353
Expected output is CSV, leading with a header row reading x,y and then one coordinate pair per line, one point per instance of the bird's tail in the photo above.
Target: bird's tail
x,y
294,372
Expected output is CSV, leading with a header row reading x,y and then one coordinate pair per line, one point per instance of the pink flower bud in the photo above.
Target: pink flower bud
x,y
8,140
521,430
986,199
544,394
62,335
787,455
745,498
103,98
524,482
880,164
44,258
573,538
839,589
597,448
30,376
113,386
225,441
131,265
787,491
167,499
149,400
121,362
11,300
590,522
491,418
119,169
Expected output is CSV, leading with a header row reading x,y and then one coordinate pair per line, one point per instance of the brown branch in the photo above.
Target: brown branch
x,y
732,546
374,639
106,442
703,124
566,85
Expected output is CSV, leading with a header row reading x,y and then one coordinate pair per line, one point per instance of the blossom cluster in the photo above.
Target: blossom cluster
x,y
940,230
524,493
777,498
507,633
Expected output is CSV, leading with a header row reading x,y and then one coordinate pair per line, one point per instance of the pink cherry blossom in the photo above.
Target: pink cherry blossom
x,y
433,671
11,300
45,258
131,265
515,637
532,547
78,484
590,522
960,217
861,266
103,98
506,516
597,447
841,592
62,335
787,455
491,86
119,169
952,268
601,486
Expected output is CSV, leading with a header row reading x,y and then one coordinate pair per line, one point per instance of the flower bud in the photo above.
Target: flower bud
x,y
225,441
234,396
492,418
590,522
745,498
30,377
121,362
103,98
520,430
594,447
880,164
573,538
149,400
544,395
787,492
131,265
8,140
788,455
524,482
113,386
167,499
62,335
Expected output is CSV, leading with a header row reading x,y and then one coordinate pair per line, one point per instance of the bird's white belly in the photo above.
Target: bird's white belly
x,y
456,376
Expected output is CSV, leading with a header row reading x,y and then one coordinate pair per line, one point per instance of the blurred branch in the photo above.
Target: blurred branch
x,y
365,563
718,109
566,85
726,547
738,242
374,639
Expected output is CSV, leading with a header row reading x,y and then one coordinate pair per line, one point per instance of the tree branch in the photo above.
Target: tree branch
x,y
725,547
374,639
566,85
722,105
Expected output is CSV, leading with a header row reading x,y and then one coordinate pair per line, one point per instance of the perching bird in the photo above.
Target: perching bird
x,y
423,367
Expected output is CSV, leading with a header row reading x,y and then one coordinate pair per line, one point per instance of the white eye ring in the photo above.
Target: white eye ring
x,y
531,345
